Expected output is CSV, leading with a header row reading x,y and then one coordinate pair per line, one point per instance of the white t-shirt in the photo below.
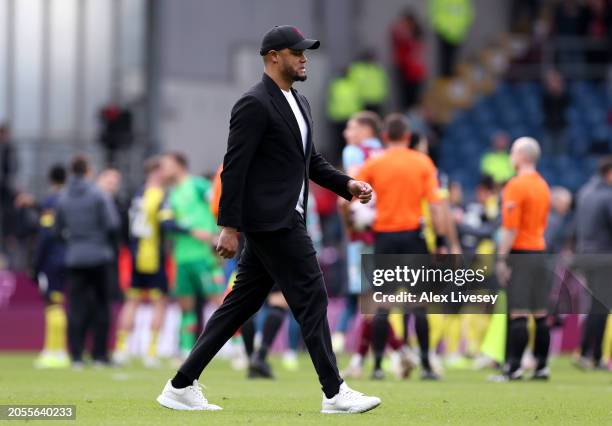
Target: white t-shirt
x,y
304,132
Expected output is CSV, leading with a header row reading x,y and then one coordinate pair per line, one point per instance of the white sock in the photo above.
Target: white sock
x,y
356,360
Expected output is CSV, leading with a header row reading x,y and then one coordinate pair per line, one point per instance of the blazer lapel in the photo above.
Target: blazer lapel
x,y
308,119
284,109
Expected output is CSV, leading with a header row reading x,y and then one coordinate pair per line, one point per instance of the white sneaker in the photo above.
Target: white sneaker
x,y
189,398
121,358
506,377
347,401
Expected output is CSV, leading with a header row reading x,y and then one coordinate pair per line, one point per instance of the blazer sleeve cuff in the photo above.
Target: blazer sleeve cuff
x,y
229,221
342,187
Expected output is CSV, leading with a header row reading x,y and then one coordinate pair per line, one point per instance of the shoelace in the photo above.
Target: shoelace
x,y
352,394
197,389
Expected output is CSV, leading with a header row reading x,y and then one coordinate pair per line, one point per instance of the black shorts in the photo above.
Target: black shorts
x,y
155,281
52,283
402,243
405,242
530,282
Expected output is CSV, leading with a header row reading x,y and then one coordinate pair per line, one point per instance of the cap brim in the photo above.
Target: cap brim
x,y
306,44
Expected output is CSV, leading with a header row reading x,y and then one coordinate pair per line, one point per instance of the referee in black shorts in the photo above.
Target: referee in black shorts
x,y
521,263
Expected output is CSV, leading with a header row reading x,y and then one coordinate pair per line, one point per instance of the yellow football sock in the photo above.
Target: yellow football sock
x,y
531,331
396,319
453,333
476,326
55,328
122,340
152,351
607,340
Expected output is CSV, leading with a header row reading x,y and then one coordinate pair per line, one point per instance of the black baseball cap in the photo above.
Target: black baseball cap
x,y
286,37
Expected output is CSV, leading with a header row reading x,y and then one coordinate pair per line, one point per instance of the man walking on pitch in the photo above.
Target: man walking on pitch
x,y
269,161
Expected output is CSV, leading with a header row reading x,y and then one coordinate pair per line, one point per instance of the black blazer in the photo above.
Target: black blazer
x,y
265,163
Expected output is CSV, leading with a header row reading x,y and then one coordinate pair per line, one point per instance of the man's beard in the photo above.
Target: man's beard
x,y
293,75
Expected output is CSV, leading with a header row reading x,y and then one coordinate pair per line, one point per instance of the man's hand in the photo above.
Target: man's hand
x,y
228,243
361,190
503,272
205,237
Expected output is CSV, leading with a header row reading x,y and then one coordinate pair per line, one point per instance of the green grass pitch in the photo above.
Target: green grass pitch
x,y
126,396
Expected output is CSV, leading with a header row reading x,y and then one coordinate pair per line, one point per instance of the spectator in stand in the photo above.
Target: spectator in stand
x,y
555,101
569,21
421,123
569,18
598,28
408,58
496,163
451,21
343,100
523,15
371,78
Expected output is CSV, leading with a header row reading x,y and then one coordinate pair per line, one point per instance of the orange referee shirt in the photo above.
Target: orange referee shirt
x,y
525,207
402,178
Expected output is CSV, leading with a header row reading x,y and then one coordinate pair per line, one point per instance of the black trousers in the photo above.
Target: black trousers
x,y
89,308
287,258
594,326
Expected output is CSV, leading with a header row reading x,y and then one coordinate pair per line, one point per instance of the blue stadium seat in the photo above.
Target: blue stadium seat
x,y
517,109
